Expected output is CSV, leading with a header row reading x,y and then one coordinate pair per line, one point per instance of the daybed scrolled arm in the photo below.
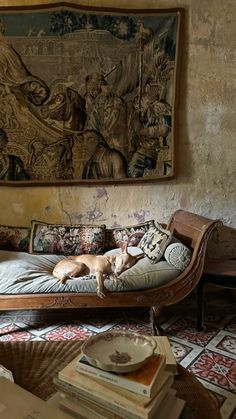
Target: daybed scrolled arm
x,y
194,231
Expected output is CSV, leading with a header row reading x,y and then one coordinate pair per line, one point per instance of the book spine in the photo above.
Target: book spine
x,y
163,347
78,380
91,410
77,393
119,381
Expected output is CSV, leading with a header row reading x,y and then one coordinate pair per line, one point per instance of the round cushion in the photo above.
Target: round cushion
x,y
178,255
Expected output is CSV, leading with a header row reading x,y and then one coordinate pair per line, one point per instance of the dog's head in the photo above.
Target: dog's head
x,y
125,260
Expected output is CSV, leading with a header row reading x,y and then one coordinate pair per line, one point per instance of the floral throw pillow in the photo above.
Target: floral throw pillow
x,y
115,237
66,239
154,242
14,238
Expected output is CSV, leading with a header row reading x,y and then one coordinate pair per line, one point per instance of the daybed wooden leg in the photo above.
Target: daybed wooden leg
x,y
154,314
200,305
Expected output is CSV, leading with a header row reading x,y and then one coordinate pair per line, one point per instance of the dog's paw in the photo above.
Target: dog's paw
x,y
64,279
100,294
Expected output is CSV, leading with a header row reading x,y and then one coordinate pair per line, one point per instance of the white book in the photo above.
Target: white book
x,y
78,408
146,380
164,347
86,409
102,389
113,401
170,408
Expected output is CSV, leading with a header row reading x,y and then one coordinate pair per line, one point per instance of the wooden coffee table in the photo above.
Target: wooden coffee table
x,y
34,364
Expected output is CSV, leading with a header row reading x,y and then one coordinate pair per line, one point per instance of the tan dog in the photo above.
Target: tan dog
x,y
100,266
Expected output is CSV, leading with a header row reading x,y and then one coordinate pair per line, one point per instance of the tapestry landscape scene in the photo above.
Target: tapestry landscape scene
x,y
87,95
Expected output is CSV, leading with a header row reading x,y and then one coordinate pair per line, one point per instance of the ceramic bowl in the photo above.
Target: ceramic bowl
x,y
118,351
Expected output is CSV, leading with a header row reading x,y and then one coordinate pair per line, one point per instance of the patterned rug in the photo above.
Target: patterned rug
x,y
210,355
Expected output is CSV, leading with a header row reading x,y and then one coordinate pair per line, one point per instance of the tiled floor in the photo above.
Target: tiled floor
x,y
210,355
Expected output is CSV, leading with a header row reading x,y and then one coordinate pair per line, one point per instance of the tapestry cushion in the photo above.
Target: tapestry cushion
x,y
66,239
178,255
14,238
154,242
116,236
25,273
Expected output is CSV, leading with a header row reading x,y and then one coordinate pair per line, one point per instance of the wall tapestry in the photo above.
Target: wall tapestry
x,y
87,94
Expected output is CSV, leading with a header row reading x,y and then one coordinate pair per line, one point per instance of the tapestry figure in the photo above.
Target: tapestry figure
x,y
11,167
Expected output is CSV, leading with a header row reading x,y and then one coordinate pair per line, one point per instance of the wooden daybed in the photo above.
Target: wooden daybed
x,y
193,230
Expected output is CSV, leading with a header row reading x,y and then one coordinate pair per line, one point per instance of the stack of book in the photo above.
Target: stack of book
x,y
87,391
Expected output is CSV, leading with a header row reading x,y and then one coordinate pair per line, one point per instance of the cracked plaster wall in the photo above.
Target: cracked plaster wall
x,y
206,146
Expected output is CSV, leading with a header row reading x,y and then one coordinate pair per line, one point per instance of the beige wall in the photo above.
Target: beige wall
x,y
206,178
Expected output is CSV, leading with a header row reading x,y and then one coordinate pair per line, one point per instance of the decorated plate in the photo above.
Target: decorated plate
x,y
118,351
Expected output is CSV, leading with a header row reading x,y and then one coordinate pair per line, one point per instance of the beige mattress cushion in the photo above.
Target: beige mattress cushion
x,y
23,273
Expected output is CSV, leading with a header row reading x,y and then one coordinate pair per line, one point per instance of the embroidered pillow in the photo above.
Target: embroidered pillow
x,y
115,237
178,255
62,239
14,238
154,242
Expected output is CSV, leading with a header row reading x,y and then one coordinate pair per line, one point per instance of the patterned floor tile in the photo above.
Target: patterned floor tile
x,y
96,322
216,344
228,344
134,327
99,329
43,331
231,326
226,400
67,332
180,350
216,369
12,332
185,328
38,339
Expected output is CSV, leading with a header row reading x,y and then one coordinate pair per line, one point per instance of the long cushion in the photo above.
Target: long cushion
x,y
115,237
14,238
23,273
61,239
178,255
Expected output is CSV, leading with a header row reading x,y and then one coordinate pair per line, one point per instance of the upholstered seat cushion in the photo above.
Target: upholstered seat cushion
x,y
144,274
24,273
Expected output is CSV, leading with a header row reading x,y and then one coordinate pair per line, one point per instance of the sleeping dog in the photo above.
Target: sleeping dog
x,y
98,265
